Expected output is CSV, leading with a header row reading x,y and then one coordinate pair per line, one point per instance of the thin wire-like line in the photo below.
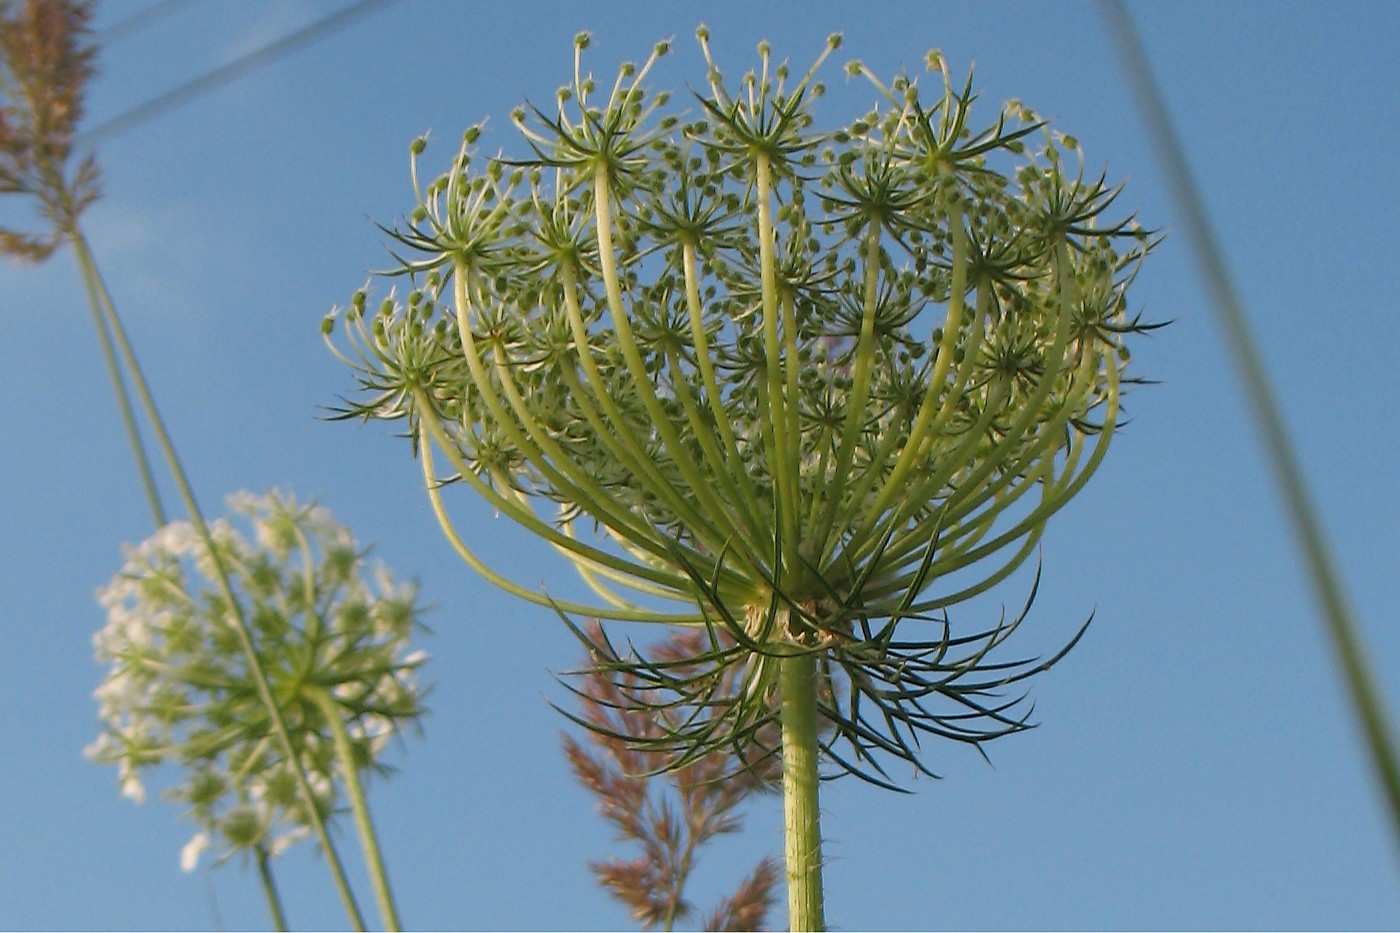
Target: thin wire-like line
x,y
139,20
231,71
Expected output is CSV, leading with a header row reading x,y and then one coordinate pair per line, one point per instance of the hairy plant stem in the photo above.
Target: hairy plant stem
x,y
354,790
269,886
98,288
801,815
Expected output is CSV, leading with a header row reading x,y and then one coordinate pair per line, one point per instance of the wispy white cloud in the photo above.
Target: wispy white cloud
x,y
155,261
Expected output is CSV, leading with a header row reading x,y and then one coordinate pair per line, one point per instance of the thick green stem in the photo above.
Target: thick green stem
x,y
369,841
801,816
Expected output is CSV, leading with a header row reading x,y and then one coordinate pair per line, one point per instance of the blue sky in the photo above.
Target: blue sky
x,y
1196,765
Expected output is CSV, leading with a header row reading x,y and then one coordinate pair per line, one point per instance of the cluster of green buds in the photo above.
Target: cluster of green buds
x,y
804,387
333,638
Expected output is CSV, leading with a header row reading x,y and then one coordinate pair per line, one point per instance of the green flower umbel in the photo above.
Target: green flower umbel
x,y
804,385
332,636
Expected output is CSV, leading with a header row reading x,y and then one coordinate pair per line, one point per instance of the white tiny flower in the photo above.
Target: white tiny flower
x,y
284,841
132,788
268,539
189,855
373,729
113,594
244,500
115,694
320,521
181,538
97,749
321,786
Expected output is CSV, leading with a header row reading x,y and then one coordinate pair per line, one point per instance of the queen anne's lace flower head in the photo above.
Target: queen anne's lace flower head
x,y
178,698
810,386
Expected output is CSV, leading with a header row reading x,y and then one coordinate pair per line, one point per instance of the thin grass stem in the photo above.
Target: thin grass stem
x,y
104,338
236,616
269,886
1338,618
354,790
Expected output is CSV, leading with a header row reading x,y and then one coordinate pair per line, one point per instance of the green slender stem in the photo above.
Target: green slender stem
x,y
774,404
96,292
269,886
859,394
431,428
801,816
92,283
708,509
354,790
744,493
235,616
1347,641
88,270
931,416
523,430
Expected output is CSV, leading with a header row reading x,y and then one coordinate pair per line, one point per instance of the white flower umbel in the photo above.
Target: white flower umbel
x,y
332,635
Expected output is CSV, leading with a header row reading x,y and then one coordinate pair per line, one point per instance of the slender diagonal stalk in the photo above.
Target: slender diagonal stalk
x,y
354,790
269,886
112,321
1347,640
109,356
92,284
